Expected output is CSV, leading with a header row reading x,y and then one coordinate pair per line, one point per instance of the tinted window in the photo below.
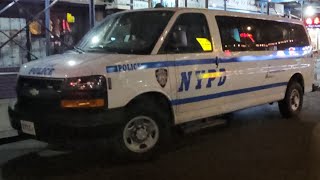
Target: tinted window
x,y
230,31
189,34
244,34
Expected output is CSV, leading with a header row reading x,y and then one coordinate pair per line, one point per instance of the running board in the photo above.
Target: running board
x,y
202,124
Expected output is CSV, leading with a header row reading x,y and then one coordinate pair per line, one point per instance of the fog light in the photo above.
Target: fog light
x,y
82,103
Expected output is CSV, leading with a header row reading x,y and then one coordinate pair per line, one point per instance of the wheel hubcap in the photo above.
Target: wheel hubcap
x,y
295,100
140,134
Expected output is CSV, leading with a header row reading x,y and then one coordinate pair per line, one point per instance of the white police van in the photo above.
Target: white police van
x,y
139,73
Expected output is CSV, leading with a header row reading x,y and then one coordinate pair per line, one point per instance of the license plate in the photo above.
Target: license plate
x,y
28,127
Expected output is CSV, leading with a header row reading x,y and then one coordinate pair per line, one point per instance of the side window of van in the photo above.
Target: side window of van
x,y
284,35
230,34
245,34
189,34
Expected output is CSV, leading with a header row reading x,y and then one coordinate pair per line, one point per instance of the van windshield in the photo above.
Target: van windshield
x,y
127,33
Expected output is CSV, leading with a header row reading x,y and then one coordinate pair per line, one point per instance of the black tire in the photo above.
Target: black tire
x,y
144,108
290,107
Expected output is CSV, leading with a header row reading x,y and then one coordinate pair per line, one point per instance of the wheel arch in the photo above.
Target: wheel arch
x,y
297,77
160,97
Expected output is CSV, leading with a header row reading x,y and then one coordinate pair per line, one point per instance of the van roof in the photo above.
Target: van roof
x,y
225,13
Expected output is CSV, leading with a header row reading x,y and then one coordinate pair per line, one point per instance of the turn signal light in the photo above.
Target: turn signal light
x,y
82,103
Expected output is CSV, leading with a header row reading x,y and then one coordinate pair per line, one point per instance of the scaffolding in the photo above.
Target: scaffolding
x,y
48,4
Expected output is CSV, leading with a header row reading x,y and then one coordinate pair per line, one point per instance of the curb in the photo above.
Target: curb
x,y
8,140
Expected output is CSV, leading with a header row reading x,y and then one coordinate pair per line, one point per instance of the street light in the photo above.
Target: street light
x,y
309,11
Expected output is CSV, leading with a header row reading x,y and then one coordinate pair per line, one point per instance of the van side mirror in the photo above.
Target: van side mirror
x,y
179,39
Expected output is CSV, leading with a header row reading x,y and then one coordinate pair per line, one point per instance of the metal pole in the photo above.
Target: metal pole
x,y
47,20
28,44
207,4
8,6
268,8
225,5
92,13
177,3
262,7
186,3
301,10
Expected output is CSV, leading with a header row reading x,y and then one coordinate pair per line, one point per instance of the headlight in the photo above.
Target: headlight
x,y
84,92
85,83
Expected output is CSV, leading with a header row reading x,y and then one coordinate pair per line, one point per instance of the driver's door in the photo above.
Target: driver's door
x,y
197,74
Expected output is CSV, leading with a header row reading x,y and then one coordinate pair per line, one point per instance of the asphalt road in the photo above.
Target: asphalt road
x,y
257,145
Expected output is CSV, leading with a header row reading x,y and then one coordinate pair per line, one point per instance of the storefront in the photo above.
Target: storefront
x,y
245,5
313,26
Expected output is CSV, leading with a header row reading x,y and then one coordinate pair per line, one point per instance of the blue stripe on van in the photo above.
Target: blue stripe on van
x,y
227,93
159,64
290,53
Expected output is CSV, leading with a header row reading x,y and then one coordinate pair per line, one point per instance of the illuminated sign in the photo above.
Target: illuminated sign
x,y
312,22
247,35
35,28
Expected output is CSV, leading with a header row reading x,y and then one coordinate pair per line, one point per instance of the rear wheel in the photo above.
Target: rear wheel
x,y
291,105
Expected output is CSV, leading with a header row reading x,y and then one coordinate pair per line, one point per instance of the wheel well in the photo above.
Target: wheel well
x,y
157,97
298,78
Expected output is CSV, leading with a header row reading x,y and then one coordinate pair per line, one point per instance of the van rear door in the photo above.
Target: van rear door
x,y
244,65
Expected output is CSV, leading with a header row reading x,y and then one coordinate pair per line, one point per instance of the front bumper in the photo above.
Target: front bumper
x,y
68,125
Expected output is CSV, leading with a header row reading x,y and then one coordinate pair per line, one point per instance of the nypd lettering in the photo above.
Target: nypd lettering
x,y
48,70
202,78
128,67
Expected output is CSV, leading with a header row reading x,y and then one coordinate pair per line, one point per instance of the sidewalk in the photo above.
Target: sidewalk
x,y
16,149
12,150
5,127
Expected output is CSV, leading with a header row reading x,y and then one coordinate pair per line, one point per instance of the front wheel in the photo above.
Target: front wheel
x,y
141,134
291,105
146,129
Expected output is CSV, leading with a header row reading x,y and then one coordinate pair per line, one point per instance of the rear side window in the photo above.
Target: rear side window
x,y
189,34
244,34
299,36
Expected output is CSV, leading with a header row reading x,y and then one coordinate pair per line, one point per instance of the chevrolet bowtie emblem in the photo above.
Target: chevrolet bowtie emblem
x,y
34,92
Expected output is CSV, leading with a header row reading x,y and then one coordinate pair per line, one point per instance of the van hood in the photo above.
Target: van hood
x,y
73,65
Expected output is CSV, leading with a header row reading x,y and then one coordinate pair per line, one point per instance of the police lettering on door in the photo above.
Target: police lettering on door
x,y
203,78
128,67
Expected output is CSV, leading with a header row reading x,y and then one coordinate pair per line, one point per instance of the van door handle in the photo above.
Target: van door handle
x,y
268,75
217,61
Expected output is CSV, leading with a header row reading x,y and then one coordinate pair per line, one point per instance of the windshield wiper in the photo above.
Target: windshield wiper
x,y
79,50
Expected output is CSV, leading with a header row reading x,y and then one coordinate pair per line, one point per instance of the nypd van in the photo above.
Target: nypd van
x,y
139,73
